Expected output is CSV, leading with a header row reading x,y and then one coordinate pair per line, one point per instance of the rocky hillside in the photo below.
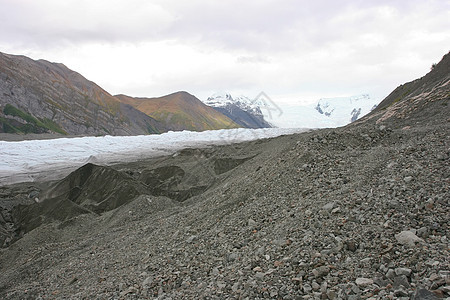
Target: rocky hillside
x,y
423,100
359,212
42,97
39,96
180,111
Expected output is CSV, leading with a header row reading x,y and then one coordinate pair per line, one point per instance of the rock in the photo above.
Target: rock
x,y
423,294
351,245
215,271
401,280
408,179
390,274
233,256
446,289
381,282
235,287
407,238
221,285
147,282
423,232
331,295
363,282
403,271
321,271
328,207
191,239
251,222
400,293
307,288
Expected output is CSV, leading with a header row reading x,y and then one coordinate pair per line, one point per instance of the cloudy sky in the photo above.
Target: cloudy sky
x,y
294,50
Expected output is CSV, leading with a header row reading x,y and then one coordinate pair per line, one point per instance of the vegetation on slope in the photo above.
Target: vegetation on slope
x,y
31,125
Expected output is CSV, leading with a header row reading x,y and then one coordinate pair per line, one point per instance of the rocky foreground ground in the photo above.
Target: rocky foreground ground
x,y
353,213
360,212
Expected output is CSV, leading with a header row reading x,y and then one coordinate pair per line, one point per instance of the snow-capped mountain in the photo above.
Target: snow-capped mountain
x,y
327,112
242,110
345,109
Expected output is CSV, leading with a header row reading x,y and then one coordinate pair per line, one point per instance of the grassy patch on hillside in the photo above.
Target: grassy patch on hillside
x,y
33,125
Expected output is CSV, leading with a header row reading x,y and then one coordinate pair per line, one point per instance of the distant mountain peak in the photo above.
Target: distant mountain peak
x,y
240,109
355,106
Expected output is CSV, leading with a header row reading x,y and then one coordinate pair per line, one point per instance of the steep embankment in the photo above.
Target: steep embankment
x,y
423,100
351,213
180,111
39,96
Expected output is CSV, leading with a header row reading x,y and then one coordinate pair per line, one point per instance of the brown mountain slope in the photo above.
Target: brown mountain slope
x,y
179,111
39,96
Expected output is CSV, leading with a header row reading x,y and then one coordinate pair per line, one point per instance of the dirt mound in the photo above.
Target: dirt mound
x,y
170,181
89,189
96,188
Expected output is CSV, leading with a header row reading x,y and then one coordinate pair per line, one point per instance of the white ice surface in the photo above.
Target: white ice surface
x,y
52,159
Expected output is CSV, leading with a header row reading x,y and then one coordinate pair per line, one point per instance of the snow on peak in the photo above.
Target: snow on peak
x,y
224,99
350,108
327,112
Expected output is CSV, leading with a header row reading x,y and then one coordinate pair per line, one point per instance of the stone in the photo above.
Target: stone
x,y
331,295
233,256
390,274
307,288
251,222
408,179
400,293
401,280
351,245
257,269
147,282
235,287
403,271
328,207
363,282
381,282
191,239
423,294
321,271
407,238
423,232
221,285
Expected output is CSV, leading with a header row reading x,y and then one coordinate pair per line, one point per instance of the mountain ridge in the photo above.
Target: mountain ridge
x,y
180,111
53,92
38,96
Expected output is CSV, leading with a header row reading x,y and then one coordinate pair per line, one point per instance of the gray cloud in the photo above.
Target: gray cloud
x,y
286,45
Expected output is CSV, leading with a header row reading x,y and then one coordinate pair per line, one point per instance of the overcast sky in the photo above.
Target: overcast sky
x,y
294,50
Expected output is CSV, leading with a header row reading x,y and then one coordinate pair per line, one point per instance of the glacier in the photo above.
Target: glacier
x,y
35,160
